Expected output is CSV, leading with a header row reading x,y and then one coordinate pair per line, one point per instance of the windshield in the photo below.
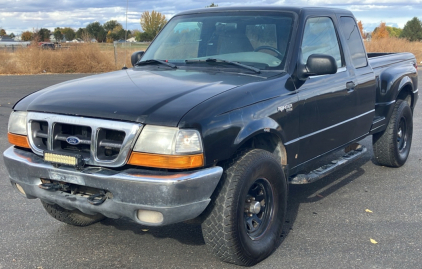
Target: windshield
x,y
258,39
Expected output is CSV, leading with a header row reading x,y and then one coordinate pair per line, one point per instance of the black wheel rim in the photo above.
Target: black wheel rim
x,y
259,208
402,135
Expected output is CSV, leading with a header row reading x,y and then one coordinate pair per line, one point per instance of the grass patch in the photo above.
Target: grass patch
x,y
103,57
72,58
392,44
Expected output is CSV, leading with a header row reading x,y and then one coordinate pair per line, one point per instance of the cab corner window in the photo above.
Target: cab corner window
x,y
354,41
320,37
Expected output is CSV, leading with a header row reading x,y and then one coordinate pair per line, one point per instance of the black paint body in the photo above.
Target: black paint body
x,y
230,106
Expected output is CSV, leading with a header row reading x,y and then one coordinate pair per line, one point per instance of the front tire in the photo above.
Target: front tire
x,y
245,218
71,217
392,147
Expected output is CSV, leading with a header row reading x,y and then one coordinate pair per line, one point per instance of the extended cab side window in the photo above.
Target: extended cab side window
x,y
354,41
320,37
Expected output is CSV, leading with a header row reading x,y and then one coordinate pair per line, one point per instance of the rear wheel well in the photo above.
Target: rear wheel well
x,y
269,142
406,95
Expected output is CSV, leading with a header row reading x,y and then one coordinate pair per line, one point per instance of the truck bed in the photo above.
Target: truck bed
x,y
379,60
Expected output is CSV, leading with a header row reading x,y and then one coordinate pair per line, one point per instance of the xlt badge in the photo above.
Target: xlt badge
x,y
288,108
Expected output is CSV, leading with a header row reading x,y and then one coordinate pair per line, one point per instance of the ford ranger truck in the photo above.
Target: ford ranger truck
x,y
225,109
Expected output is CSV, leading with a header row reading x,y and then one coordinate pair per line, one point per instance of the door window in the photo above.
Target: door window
x,y
320,38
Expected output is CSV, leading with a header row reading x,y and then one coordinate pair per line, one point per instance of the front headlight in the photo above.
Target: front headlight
x,y
168,147
168,140
17,132
17,123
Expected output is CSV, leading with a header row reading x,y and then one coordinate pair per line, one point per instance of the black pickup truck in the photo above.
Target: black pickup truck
x,y
223,111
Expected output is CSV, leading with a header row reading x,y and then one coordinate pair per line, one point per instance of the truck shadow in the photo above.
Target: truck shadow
x,y
191,234
185,233
317,191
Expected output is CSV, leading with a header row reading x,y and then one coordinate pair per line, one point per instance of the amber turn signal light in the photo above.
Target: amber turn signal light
x,y
18,140
166,161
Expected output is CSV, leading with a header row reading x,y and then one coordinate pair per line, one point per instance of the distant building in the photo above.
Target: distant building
x,y
132,39
6,38
76,40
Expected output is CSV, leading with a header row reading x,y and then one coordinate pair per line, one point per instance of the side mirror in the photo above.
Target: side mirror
x,y
318,64
136,56
321,64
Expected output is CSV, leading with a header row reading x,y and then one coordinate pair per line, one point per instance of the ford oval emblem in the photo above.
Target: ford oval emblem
x,y
73,140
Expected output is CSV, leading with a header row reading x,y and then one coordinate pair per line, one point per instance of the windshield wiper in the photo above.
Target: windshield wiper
x,y
215,60
154,61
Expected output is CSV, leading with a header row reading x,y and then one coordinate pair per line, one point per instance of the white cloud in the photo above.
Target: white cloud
x,y
17,16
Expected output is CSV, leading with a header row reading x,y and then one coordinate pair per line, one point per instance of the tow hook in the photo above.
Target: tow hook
x,y
54,186
98,198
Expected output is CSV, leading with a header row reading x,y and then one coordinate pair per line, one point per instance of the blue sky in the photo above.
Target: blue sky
x,y
20,15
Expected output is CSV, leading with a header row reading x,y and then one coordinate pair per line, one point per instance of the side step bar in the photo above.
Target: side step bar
x,y
324,170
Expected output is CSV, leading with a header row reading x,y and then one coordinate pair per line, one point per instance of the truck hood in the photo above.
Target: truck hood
x,y
147,96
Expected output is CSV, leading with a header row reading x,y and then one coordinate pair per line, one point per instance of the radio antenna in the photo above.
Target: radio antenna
x,y
127,7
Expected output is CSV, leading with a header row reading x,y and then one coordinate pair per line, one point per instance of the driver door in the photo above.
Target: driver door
x,y
328,102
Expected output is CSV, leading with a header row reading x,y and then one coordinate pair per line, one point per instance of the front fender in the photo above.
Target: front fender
x,y
258,126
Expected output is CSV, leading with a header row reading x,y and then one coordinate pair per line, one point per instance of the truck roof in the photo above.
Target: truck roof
x,y
294,9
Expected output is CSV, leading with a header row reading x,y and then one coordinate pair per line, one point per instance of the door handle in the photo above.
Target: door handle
x,y
350,86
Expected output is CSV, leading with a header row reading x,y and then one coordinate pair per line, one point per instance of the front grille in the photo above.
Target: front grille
x,y
100,142
62,131
109,143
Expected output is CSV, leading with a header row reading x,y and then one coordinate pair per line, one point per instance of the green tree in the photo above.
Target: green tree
x,y
69,33
110,25
12,35
153,22
143,37
412,31
133,33
394,31
2,32
58,34
97,31
212,5
80,32
43,35
116,34
27,36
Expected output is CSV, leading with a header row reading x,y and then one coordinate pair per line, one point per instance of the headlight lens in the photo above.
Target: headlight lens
x,y
188,141
17,123
168,140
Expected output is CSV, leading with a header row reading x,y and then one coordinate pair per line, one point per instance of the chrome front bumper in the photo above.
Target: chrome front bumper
x,y
178,196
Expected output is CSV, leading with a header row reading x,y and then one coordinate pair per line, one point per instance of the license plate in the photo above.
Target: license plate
x,y
75,160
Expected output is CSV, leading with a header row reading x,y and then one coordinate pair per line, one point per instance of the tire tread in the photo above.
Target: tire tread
x,y
217,227
383,143
71,217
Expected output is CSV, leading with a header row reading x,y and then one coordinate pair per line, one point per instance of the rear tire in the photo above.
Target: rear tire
x,y
392,147
244,221
72,217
